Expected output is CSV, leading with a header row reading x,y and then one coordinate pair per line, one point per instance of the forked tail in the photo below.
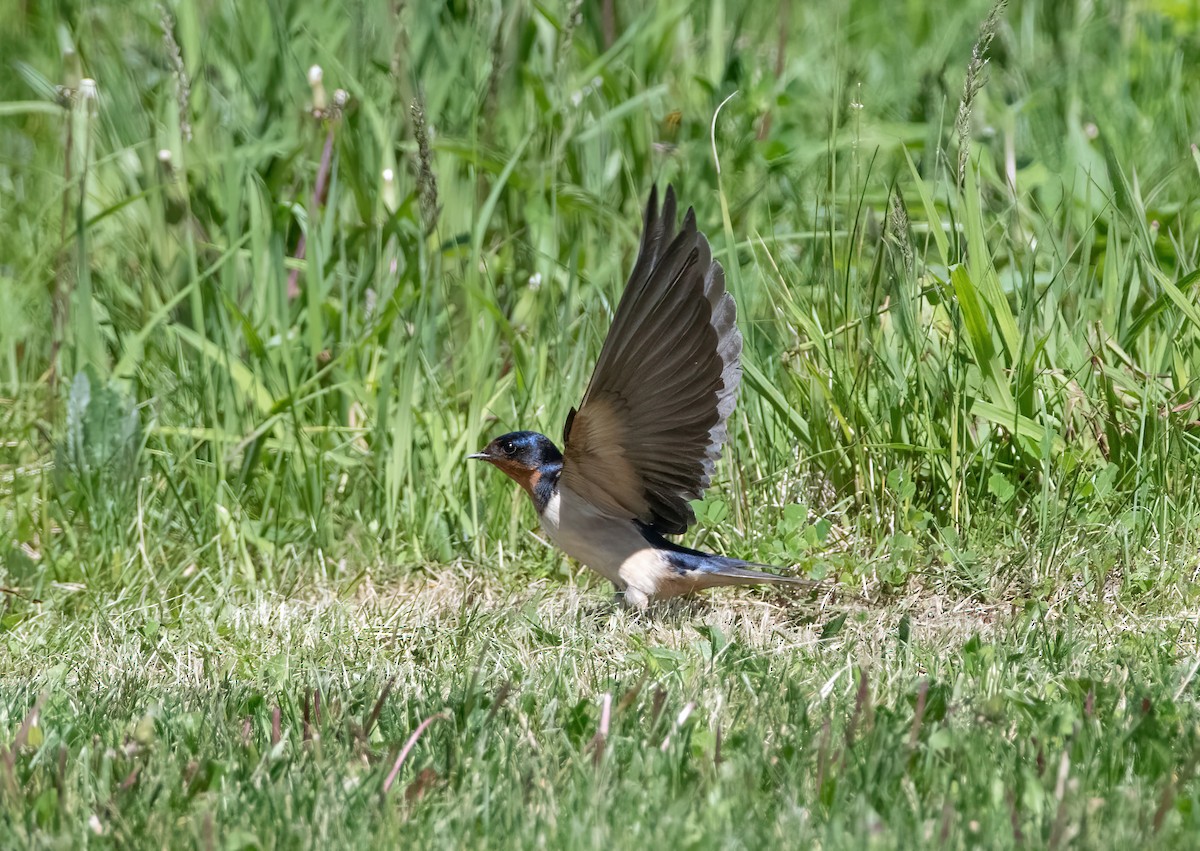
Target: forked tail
x,y
719,571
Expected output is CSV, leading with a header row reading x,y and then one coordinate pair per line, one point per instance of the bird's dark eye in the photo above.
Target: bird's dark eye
x,y
509,448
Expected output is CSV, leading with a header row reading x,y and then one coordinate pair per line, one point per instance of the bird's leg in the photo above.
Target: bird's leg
x,y
634,598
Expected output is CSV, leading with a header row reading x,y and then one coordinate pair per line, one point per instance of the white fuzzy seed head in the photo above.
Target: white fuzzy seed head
x,y
319,99
389,190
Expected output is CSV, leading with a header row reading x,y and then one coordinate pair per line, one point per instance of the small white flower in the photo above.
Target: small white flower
x,y
88,90
535,281
320,99
389,190
164,156
576,98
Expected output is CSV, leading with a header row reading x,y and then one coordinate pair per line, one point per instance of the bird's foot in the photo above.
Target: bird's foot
x,y
633,598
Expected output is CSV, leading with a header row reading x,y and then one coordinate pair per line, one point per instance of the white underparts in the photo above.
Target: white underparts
x,y
613,547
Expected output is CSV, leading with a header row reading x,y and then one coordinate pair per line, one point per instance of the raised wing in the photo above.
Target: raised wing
x,y
652,422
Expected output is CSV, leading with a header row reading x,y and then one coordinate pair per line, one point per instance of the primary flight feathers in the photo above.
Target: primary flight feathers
x,y
651,425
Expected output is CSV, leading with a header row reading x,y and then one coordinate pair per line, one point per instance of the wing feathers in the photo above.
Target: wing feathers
x,y
651,314
652,422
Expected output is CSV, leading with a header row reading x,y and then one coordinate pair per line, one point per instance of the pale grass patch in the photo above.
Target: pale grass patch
x,y
421,629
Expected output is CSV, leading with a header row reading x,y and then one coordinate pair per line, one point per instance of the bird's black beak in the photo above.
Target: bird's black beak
x,y
478,456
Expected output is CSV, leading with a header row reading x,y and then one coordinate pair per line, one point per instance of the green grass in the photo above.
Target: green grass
x,y
732,724
231,470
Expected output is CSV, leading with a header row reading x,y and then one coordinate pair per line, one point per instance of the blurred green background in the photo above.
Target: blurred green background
x,y
251,322
230,342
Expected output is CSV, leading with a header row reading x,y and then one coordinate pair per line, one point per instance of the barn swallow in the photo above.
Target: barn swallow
x,y
649,431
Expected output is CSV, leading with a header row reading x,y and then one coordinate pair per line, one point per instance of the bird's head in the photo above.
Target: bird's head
x,y
521,455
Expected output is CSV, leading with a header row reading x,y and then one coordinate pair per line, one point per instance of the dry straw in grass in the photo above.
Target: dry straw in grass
x,y
183,86
426,181
898,225
973,84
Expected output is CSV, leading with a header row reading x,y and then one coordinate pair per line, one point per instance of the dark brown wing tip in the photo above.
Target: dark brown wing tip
x,y
567,426
667,215
657,225
689,223
668,200
651,212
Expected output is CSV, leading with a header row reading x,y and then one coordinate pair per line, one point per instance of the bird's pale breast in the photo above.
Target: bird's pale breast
x,y
611,546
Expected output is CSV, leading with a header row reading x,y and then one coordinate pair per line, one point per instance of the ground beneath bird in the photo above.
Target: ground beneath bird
x,y
265,717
